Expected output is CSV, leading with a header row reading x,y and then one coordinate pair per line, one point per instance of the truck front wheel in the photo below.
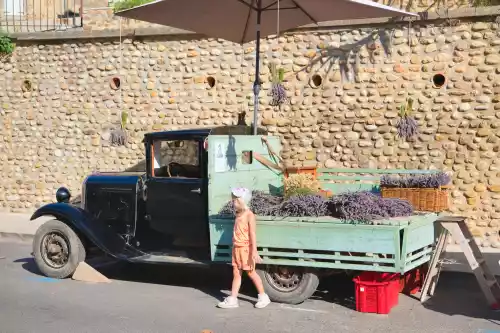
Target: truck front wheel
x,y
57,249
289,285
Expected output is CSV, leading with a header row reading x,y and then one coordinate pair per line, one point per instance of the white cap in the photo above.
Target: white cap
x,y
243,193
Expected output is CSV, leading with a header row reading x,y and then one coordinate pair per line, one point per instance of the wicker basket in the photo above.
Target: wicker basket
x,y
422,199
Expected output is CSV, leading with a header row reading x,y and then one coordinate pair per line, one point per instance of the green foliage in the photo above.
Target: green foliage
x,y
300,184
124,119
6,45
128,4
299,191
277,75
407,109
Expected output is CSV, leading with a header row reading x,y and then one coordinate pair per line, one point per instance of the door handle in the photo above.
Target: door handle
x,y
198,190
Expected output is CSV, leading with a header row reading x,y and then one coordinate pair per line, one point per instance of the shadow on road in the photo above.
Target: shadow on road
x,y
456,293
459,294
29,265
337,289
214,281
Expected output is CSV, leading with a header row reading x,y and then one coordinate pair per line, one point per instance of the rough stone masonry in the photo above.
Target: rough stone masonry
x,y
61,100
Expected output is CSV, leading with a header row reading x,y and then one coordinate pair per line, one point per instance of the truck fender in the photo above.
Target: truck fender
x,y
81,221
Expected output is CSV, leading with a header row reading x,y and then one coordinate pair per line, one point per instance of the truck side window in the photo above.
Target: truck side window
x,y
176,159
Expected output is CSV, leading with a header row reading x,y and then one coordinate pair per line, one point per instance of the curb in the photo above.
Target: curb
x,y
16,236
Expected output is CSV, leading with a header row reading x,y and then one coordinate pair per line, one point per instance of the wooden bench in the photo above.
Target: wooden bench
x,y
351,180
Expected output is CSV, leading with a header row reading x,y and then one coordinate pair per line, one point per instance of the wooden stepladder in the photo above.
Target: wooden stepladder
x,y
456,228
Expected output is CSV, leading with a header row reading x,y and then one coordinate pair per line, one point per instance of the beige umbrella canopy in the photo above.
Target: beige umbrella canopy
x,y
242,21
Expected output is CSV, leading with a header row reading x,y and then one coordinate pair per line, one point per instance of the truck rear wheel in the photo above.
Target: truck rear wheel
x,y
57,249
290,285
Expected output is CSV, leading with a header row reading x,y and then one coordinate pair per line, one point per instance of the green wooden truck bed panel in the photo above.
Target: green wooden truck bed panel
x,y
388,248
319,237
420,234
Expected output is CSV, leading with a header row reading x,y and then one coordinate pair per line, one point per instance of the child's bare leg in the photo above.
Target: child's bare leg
x,y
235,289
232,301
257,281
263,299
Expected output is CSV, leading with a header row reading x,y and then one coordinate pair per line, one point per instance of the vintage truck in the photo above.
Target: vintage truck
x,y
166,211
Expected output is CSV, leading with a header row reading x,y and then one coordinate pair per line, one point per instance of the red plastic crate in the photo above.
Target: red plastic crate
x,y
412,281
376,292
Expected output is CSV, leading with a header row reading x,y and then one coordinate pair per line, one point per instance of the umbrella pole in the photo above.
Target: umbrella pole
x,y
256,84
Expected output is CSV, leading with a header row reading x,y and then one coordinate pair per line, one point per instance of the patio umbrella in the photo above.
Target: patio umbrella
x,y
242,21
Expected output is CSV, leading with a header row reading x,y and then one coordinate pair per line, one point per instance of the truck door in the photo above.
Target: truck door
x,y
176,192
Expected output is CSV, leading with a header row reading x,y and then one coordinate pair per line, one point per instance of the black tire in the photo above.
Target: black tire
x,y
55,229
301,291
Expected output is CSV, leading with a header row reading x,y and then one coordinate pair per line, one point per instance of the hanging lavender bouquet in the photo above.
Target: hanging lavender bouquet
x,y
278,92
118,137
407,126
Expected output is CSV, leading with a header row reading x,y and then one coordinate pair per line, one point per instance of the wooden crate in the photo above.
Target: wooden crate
x,y
308,170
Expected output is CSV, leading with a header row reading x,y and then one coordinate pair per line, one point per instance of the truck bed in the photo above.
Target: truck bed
x,y
392,245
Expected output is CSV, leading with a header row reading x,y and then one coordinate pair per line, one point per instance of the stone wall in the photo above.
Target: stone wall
x,y
59,104
426,5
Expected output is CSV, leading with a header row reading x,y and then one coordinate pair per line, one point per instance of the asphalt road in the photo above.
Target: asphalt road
x,y
148,298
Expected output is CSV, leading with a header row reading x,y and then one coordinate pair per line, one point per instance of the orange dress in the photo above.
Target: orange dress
x,y
241,243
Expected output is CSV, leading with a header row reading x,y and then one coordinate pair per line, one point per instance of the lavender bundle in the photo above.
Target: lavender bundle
x,y
366,206
435,180
304,205
262,203
361,207
265,204
407,126
278,92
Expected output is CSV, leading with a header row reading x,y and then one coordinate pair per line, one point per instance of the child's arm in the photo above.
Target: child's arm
x,y
251,231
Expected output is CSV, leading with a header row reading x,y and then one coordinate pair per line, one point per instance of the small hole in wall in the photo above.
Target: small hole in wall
x,y
438,80
211,82
316,81
115,83
26,86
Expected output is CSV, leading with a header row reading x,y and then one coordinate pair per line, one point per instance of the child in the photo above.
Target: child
x,y
244,254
